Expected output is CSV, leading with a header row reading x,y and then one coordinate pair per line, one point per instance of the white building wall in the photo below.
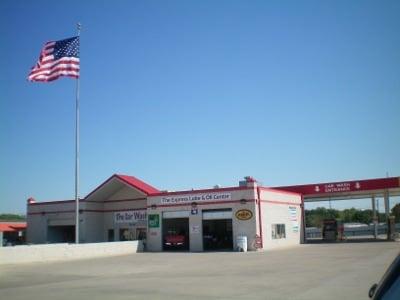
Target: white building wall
x,y
246,228
126,199
278,208
42,215
36,230
95,219
93,227
98,215
125,193
239,227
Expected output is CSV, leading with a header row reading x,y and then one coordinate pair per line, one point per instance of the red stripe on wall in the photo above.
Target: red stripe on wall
x,y
51,212
84,210
83,200
227,189
260,217
303,221
277,190
113,210
52,202
279,202
201,203
123,200
163,205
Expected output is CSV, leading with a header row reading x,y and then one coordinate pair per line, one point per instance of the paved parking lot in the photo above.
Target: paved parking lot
x,y
318,271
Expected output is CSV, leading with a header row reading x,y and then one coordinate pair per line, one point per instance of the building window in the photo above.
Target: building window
x,y
278,231
141,234
126,234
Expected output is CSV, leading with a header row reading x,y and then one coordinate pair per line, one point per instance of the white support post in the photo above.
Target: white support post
x,y
387,206
387,213
374,217
77,153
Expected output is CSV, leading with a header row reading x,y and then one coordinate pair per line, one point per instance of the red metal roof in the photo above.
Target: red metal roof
x,y
130,180
12,226
138,184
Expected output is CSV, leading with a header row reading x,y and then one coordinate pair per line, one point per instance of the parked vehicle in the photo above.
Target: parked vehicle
x,y
174,239
389,286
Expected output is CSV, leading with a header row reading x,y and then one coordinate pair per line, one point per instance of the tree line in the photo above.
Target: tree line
x,y
315,217
12,217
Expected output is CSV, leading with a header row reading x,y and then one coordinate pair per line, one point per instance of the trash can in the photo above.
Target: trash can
x,y
241,243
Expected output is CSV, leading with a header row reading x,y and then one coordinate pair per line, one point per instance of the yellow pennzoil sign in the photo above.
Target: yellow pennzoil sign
x,y
244,214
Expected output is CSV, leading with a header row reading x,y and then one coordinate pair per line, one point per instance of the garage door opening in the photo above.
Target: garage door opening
x,y
61,234
175,231
217,230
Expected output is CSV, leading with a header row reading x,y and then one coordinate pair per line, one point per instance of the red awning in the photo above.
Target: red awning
x,y
12,226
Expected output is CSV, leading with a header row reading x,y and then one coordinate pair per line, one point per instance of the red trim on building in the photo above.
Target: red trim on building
x,y
279,191
83,200
83,210
100,186
200,203
280,202
112,210
234,188
53,202
51,212
303,220
138,184
122,200
131,181
260,216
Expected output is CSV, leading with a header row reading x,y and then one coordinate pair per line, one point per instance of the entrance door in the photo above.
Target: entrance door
x,y
175,226
111,235
61,234
217,230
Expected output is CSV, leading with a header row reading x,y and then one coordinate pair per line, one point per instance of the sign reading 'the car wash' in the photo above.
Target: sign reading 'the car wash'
x,y
196,198
133,216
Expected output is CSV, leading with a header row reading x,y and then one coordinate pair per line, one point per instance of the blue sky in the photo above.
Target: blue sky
x,y
189,94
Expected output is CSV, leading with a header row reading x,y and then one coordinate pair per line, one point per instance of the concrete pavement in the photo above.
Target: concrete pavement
x,y
318,271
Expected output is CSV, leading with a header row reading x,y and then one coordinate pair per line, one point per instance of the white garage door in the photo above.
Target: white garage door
x,y
217,214
176,214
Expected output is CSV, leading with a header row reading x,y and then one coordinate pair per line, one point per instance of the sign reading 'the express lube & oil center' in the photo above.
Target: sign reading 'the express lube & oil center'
x,y
196,198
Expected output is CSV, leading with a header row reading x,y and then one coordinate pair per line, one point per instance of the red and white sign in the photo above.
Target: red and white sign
x,y
345,186
336,187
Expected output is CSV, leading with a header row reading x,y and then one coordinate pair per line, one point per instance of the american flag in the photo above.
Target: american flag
x,y
57,58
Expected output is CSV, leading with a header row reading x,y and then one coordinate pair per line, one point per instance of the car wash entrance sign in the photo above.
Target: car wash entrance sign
x,y
346,187
133,216
188,198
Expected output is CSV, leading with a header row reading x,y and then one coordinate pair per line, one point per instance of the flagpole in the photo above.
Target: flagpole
x,y
77,153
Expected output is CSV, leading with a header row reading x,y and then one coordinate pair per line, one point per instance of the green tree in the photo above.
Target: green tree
x,y
315,217
12,217
363,216
396,212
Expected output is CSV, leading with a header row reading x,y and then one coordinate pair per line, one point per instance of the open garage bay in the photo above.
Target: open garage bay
x,y
320,271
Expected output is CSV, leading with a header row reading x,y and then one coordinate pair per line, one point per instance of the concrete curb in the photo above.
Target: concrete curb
x,y
64,252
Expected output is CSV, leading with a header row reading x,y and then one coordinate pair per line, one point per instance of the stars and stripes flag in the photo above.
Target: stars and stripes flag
x,y
57,58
